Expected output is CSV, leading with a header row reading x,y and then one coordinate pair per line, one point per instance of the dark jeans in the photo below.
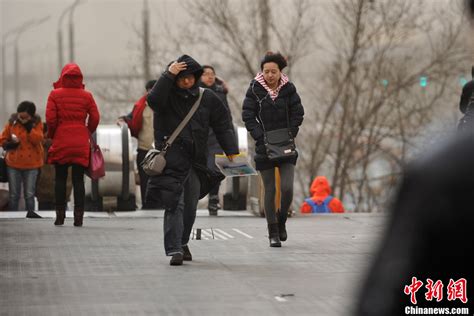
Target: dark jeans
x,y
15,179
141,153
287,171
178,222
77,184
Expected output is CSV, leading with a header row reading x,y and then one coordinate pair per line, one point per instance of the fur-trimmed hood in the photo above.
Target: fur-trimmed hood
x,y
14,117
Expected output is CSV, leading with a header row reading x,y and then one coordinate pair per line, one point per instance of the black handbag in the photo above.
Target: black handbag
x,y
279,144
3,170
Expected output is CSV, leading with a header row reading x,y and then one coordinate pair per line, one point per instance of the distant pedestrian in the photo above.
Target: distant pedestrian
x,y
22,138
273,107
72,117
209,80
321,200
185,178
140,123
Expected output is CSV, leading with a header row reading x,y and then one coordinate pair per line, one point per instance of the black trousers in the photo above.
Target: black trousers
x,y
141,153
77,184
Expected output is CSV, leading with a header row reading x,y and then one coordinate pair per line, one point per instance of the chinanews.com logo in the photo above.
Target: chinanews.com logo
x,y
456,291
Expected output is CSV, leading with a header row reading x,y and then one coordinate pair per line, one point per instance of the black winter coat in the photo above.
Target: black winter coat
x,y
466,123
213,144
467,92
260,112
170,105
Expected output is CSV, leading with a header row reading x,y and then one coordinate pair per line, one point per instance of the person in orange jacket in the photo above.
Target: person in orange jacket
x,y
22,138
321,201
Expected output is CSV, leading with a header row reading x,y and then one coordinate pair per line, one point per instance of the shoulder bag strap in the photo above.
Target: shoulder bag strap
x,y
184,121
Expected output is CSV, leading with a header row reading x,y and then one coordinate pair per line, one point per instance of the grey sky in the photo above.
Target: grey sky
x,y
104,34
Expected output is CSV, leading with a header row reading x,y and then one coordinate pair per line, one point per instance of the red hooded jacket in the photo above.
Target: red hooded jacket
x,y
136,122
319,190
71,116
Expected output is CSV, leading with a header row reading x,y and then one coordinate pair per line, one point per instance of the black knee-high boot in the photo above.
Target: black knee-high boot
x,y
282,225
60,216
273,235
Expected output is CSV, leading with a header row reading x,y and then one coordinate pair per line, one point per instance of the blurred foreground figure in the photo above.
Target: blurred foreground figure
x,y
423,258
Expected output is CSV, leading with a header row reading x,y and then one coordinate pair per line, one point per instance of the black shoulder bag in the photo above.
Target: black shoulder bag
x,y
279,143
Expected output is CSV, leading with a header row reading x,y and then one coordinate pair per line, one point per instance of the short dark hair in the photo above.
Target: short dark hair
x,y
209,67
276,58
28,107
150,84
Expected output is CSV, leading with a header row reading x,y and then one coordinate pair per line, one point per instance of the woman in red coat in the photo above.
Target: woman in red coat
x,y
71,116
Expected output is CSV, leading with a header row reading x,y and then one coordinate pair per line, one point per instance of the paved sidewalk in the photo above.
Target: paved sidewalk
x,y
116,266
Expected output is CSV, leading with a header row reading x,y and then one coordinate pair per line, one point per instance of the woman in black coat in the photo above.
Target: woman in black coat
x,y
272,103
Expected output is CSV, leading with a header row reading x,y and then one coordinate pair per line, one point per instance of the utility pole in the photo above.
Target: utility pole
x,y
265,22
69,9
71,31
146,42
60,39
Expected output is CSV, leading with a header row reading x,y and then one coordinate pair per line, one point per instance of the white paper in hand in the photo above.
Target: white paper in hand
x,y
240,166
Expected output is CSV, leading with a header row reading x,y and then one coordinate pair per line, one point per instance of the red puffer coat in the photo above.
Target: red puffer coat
x,y
71,116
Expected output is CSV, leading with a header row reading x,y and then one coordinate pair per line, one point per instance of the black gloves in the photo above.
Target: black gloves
x,y
28,125
10,145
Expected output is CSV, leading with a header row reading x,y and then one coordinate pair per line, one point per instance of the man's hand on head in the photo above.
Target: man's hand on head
x,y
175,68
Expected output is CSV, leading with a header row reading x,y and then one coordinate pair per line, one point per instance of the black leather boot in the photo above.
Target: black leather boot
x,y
282,226
213,205
78,217
60,216
273,235
282,231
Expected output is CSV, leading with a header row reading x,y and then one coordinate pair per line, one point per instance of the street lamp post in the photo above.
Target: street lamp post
x,y
22,30
71,30
69,9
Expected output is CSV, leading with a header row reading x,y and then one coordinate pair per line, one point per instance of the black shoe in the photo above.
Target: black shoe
x,y
213,210
187,256
32,214
275,242
176,259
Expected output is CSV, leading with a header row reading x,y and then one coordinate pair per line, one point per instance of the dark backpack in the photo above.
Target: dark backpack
x,y
320,207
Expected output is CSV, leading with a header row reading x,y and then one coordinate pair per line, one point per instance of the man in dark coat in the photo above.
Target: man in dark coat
x,y
186,177
210,81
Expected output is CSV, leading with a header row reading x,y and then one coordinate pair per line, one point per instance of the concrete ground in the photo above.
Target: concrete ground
x,y
115,265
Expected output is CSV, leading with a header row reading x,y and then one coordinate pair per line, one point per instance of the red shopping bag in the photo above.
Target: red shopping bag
x,y
96,169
